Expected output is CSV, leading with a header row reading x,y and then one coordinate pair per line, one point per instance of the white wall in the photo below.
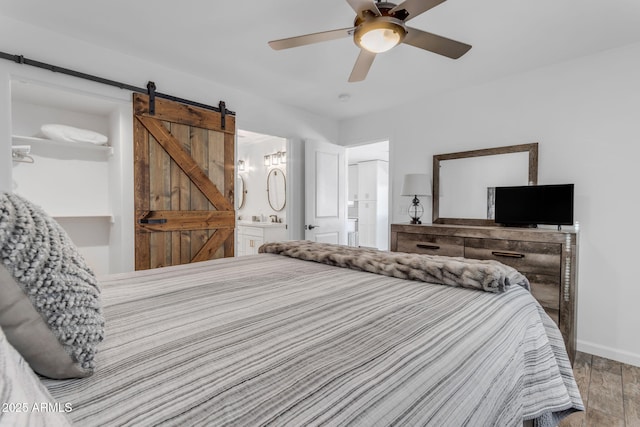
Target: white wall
x,y
121,193
253,113
586,116
5,130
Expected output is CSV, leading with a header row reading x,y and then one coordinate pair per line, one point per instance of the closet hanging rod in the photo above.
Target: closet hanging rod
x,y
26,61
21,157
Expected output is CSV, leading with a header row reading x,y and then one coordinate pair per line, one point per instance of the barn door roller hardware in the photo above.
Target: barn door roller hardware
x,y
223,108
150,89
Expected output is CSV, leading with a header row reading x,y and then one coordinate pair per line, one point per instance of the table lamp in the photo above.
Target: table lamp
x,y
416,184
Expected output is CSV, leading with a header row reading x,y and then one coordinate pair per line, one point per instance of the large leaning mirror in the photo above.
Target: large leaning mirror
x,y
276,189
463,182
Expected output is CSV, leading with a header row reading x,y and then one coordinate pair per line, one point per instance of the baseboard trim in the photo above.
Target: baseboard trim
x,y
609,353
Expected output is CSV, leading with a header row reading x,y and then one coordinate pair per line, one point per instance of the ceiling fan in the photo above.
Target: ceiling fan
x,y
378,27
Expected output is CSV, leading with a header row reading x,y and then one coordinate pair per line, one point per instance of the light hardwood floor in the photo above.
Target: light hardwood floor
x,y
610,391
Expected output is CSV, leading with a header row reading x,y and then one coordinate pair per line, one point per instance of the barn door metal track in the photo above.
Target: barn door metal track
x,y
150,89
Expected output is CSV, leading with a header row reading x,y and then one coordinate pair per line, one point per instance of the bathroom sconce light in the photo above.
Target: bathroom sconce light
x,y
240,165
277,158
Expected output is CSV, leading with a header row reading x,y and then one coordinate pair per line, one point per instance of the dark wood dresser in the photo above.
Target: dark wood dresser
x,y
548,258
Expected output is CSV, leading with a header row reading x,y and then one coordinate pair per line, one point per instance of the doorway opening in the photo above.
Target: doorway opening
x,y
261,191
368,195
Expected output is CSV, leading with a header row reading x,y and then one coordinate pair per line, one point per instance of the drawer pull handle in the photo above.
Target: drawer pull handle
x,y
508,254
424,246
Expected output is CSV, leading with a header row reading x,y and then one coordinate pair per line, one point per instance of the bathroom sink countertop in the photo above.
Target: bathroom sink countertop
x,y
261,224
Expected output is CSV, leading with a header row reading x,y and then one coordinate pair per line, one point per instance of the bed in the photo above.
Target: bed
x,y
275,339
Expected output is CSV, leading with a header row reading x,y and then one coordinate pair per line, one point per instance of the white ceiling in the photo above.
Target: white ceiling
x,y
227,42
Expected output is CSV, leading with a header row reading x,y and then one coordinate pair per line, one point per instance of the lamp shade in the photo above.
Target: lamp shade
x,y
416,184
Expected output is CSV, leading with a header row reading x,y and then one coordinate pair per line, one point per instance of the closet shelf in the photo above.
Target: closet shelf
x,y
69,216
20,139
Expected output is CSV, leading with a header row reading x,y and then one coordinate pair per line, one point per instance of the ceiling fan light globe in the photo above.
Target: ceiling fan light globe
x,y
379,40
379,34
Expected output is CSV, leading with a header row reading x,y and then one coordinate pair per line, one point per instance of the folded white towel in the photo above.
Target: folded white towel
x,y
72,134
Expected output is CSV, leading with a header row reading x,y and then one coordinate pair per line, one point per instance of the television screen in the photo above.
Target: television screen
x,y
535,204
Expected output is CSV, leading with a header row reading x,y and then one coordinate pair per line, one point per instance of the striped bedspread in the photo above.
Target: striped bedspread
x,y
271,340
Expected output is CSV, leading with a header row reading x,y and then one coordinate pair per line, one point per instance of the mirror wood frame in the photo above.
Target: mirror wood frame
x,y
532,149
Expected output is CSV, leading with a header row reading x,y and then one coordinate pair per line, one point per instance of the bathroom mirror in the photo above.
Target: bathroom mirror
x,y
276,189
241,192
463,182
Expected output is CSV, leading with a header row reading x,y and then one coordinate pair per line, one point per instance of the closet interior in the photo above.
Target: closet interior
x,y
80,184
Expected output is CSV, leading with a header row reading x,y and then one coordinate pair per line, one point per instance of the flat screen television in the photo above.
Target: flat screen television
x,y
534,204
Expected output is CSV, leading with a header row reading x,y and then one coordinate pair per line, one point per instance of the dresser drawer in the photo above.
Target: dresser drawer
x,y
539,262
546,289
526,257
430,244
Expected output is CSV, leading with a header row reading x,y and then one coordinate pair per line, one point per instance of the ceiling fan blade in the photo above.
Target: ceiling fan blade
x,y
436,44
311,38
361,5
361,68
416,7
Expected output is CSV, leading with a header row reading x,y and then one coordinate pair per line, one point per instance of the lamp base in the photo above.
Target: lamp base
x,y
415,211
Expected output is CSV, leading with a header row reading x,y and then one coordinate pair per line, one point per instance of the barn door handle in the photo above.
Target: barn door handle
x,y
424,246
508,254
152,221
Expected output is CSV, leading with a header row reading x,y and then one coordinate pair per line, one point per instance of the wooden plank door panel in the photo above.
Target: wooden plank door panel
x,y
142,241
184,186
180,197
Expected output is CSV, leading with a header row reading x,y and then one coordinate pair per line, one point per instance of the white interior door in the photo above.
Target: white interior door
x,y
325,193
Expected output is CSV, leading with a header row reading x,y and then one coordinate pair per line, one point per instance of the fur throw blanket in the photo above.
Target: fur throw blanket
x,y
485,275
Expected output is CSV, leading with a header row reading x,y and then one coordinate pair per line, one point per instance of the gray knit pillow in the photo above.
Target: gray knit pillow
x,y
49,298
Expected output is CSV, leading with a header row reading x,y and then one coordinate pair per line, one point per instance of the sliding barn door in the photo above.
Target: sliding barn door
x,y
184,184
